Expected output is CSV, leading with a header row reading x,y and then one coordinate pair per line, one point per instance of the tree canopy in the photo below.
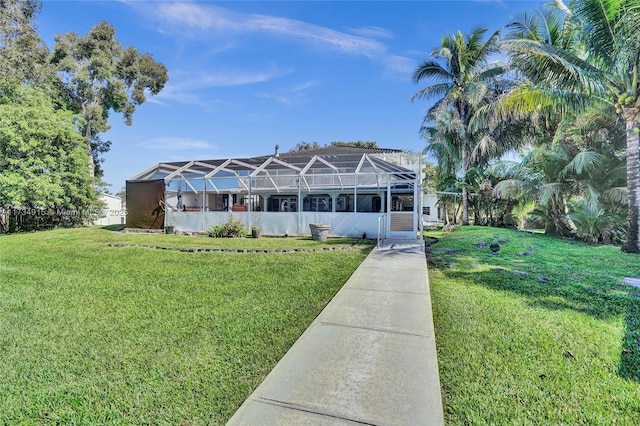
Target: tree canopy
x,y
98,76
54,108
42,161
571,95
307,146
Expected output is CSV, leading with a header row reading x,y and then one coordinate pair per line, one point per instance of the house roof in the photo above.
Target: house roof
x,y
331,160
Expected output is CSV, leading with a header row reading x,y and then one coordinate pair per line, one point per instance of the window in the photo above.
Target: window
x,y
317,203
402,203
282,203
344,203
368,203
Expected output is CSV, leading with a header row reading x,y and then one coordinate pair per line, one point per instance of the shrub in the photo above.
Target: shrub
x,y
232,228
594,225
449,228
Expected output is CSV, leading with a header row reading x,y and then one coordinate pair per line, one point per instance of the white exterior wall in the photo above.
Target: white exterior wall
x,y
275,223
431,201
113,213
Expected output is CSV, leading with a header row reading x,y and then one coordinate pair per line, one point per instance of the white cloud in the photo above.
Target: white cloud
x,y
291,95
188,87
373,32
226,78
401,64
304,86
197,19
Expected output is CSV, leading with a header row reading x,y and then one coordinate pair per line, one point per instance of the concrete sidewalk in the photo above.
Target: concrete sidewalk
x,y
368,358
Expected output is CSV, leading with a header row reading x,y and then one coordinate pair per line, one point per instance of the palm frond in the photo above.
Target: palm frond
x,y
503,168
617,174
430,92
510,188
479,52
583,163
491,70
599,19
557,68
524,25
551,190
431,69
529,98
618,195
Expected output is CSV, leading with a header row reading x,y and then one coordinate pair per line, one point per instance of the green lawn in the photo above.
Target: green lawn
x,y
518,349
92,334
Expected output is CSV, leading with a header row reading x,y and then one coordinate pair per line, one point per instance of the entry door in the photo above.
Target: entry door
x,y
402,218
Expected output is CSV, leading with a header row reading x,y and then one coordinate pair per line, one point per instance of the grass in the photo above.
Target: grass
x,y
92,334
559,345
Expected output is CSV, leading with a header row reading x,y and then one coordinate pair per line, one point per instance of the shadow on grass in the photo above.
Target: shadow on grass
x,y
607,301
630,359
118,227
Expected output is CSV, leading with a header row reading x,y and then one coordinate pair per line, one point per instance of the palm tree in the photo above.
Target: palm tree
x,y
462,75
574,169
600,64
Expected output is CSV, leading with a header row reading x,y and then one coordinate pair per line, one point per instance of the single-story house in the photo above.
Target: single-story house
x,y
431,212
113,212
357,191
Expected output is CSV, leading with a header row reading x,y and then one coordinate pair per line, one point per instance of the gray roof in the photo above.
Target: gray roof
x,y
332,159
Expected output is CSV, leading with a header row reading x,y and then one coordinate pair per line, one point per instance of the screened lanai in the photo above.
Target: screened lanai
x,y
356,191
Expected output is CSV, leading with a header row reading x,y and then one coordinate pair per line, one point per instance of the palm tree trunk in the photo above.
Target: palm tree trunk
x,y
465,190
633,182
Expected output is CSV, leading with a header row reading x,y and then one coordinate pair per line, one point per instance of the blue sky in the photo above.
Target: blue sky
x,y
245,76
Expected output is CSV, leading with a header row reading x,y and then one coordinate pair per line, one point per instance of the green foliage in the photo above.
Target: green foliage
x,y
23,54
357,144
43,161
430,172
99,76
306,146
594,225
591,61
465,82
232,228
44,146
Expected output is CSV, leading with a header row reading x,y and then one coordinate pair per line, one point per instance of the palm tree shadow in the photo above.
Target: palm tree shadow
x,y
598,304
630,358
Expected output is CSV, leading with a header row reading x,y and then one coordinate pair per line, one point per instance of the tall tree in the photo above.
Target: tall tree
x,y
23,54
43,165
601,65
100,76
461,72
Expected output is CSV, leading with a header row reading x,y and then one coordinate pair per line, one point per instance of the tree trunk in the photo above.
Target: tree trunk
x,y
87,136
554,224
465,190
549,227
460,114
633,182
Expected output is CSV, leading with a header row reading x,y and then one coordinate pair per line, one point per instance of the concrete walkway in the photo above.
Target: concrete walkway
x,y
368,358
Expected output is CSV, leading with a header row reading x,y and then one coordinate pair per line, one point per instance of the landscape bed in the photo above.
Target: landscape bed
x,y
542,332
127,335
